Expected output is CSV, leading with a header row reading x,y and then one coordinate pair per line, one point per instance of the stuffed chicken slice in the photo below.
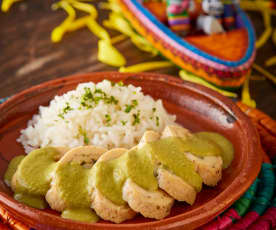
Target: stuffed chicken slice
x,y
129,180
202,151
174,185
104,201
70,192
32,175
141,189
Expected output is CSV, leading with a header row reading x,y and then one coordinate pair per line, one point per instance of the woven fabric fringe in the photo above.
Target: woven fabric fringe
x,y
267,221
261,202
236,212
222,222
257,207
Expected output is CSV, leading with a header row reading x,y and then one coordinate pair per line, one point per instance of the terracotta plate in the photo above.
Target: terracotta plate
x,y
196,107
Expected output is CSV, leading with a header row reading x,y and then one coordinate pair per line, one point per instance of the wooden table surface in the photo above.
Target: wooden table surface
x,y
28,57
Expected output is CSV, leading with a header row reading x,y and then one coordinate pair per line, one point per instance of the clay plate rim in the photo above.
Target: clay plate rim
x,y
215,206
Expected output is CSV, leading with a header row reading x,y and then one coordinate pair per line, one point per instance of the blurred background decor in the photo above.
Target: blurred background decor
x,y
222,61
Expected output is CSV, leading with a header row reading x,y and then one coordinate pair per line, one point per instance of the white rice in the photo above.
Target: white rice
x,y
68,122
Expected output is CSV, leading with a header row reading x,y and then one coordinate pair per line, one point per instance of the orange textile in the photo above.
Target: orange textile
x,y
229,46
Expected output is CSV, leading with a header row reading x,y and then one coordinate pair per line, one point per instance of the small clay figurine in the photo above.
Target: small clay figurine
x,y
211,21
178,16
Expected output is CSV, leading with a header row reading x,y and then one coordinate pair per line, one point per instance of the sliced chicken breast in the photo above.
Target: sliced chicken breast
x,y
105,208
175,186
85,155
209,168
175,131
151,204
61,149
